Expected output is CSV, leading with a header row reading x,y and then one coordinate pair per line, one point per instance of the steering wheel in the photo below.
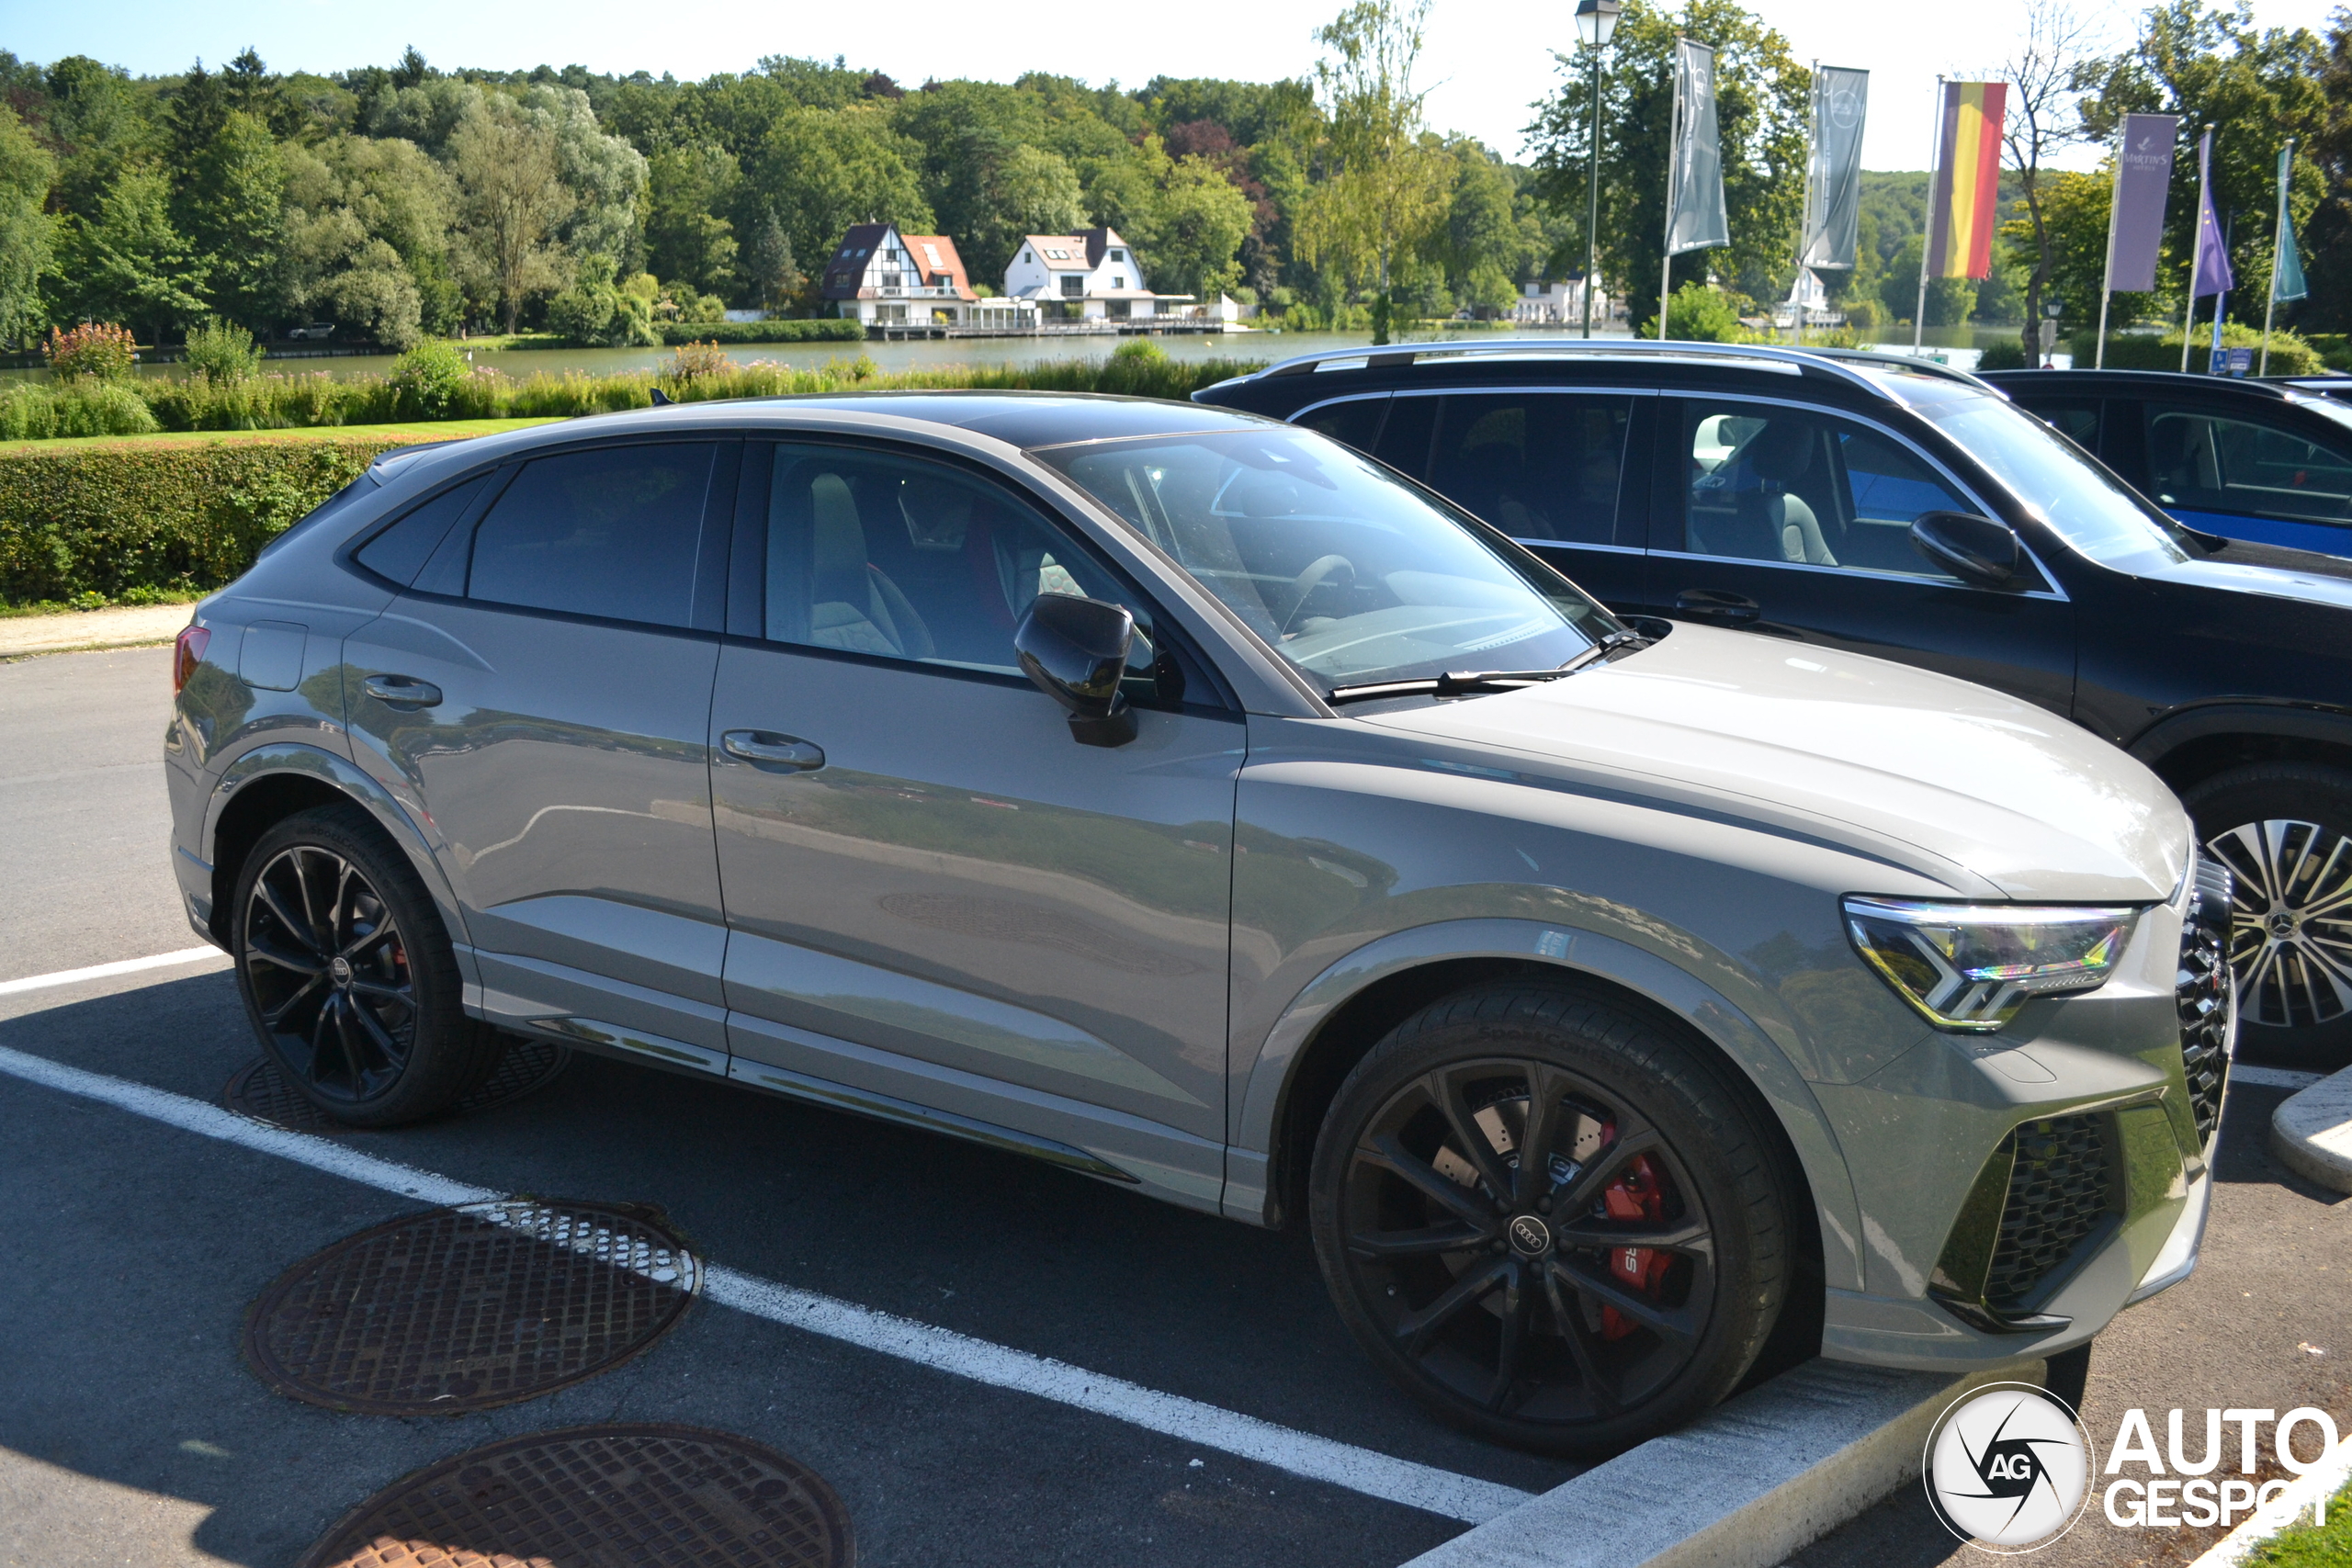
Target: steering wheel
x,y
1325,569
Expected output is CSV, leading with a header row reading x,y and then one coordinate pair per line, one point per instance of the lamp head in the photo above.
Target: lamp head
x,y
1595,20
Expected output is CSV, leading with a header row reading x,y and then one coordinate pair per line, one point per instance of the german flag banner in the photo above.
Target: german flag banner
x,y
1960,205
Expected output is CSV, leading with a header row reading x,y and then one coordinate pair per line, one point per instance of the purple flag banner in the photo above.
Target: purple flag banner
x,y
2212,255
2143,176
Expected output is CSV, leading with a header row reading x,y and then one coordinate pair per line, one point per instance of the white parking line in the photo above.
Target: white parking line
x,y
1301,1453
108,971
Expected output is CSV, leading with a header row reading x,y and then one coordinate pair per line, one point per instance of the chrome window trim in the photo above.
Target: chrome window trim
x,y
2056,592
1580,544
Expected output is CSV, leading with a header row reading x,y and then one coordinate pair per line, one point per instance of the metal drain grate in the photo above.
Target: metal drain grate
x,y
676,1497
260,1088
463,1309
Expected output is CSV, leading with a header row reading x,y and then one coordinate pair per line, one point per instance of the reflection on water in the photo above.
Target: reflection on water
x,y
525,362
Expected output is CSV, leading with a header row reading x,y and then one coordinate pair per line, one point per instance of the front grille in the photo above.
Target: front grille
x,y
2202,993
2061,1187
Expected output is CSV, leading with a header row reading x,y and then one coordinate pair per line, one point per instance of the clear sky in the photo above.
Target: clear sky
x,y
1489,58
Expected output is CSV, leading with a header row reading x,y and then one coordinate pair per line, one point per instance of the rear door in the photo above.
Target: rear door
x,y
538,697
935,892
1794,523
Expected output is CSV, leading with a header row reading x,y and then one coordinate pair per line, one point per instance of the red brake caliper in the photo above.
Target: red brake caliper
x,y
1638,1194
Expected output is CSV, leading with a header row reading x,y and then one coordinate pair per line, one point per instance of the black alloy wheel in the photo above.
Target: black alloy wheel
x,y
348,976
2285,831
1548,1220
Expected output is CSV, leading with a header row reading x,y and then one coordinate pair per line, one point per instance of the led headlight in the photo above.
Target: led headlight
x,y
1968,967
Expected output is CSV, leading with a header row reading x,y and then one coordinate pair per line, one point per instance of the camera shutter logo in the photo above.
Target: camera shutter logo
x,y
2008,1469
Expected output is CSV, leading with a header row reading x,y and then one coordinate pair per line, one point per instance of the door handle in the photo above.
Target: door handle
x,y
1720,608
401,691
763,749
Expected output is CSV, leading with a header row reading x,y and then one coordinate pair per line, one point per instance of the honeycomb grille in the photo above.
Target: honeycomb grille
x,y
2060,1189
2202,993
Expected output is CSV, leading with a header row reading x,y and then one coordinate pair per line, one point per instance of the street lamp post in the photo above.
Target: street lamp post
x,y
1595,20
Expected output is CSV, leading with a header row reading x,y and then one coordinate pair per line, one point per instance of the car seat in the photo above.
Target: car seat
x,y
852,604
1770,513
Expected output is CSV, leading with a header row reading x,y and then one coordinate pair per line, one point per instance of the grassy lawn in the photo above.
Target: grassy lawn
x,y
417,430
2309,1546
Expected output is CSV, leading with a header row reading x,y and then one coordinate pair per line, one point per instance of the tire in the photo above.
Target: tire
x,y
2285,831
348,976
1606,1344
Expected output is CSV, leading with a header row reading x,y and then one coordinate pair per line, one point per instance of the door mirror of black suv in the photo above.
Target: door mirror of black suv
x,y
1974,549
1076,650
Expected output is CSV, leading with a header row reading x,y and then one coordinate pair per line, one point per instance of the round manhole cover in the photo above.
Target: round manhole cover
x,y
461,1309
260,1090
673,1496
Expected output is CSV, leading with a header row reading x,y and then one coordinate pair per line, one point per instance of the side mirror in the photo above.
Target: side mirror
x,y
1974,549
1076,650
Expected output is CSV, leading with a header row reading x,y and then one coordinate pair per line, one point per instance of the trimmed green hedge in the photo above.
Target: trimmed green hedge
x,y
2289,354
184,516
819,330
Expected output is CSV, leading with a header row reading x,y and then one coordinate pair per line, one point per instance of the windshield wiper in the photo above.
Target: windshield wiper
x,y
1460,682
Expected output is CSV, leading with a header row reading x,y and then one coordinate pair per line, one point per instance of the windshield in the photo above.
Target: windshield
x,y
2088,506
1349,573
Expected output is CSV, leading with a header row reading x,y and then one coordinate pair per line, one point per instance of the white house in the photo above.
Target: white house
x,y
1557,301
880,276
1093,275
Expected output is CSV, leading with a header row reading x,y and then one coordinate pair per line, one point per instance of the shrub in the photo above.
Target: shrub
x,y
83,406
2002,353
94,348
1701,313
829,329
597,312
696,360
222,353
426,381
2290,355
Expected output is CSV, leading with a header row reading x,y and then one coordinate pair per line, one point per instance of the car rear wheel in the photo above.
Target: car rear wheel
x,y
347,975
1549,1219
2285,831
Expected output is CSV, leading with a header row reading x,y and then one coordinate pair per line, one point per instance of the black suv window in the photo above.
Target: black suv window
x,y
1537,465
1355,421
2201,462
612,532
1790,485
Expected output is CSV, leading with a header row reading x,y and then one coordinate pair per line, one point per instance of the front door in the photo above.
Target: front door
x,y
538,699
2280,478
934,891
1795,522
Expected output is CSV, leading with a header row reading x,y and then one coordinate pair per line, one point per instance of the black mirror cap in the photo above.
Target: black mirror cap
x,y
1076,650
1974,549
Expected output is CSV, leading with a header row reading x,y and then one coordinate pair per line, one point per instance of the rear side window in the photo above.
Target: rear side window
x,y
1537,465
400,552
2201,462
1355,422
610,532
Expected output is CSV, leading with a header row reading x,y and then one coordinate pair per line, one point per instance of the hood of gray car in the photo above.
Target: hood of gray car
x,y
1854,749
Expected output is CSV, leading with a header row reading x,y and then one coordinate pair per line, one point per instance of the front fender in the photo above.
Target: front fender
x,y
2281,720
1574,953
348,779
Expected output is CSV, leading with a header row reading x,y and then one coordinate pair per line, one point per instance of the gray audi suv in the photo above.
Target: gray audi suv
x,y
1190,801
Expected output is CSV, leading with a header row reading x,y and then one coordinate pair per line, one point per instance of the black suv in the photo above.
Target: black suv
x,y
2261,460
1898,508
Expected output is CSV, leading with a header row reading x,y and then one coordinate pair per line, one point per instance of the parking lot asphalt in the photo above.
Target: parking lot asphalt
x,y
131,1431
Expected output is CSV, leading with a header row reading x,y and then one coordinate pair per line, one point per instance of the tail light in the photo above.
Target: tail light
x,y
187,652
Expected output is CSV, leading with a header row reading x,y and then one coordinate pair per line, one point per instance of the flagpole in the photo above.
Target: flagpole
x,y
2106,279
1673,149
1935,158
2197,247
1804,220
2286,163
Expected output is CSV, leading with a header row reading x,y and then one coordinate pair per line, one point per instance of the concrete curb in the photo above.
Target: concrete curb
x,y
2310,1132
79,631
1742,1487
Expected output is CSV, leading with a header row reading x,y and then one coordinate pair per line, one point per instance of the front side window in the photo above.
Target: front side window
x,y
1348,573
874,553
2082,501
609,532
1797,487
2200,462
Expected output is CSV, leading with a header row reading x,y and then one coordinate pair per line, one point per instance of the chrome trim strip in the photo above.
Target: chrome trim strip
x,y
636,1043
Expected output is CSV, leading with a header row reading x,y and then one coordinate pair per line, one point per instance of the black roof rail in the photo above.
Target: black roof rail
x,y
1789,361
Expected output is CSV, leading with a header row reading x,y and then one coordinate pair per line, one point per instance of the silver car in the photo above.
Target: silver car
x,y
1189,801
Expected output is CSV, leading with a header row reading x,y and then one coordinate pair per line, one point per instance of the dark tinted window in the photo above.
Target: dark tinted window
x,y
400,551
872,553
609,532
1355,422
2204,463
1404,439
2076,419
1537,465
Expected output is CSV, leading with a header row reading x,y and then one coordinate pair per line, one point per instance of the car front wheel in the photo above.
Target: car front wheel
x,y
347,975
1549,1219
2285,831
